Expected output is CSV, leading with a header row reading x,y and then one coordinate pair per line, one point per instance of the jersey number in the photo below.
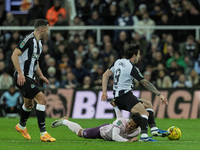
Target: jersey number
x,y
117,74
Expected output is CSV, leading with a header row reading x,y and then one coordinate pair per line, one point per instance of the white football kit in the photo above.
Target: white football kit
x,y
116,130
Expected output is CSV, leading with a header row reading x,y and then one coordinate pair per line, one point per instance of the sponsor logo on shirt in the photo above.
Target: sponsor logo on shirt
x,y
22,44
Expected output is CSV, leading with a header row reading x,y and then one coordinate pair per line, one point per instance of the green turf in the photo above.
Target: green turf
x,y
66,140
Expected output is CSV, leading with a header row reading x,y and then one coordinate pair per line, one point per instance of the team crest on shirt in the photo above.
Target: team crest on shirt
x,y
36,56
22,44
119,122
32,86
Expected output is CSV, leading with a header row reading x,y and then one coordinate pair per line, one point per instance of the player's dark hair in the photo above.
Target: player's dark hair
x,y
131,49
137,118
40,22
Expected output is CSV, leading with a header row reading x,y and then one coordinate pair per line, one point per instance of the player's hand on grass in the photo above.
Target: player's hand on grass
x,y
133,139
163,99
21,79
45,80
104,96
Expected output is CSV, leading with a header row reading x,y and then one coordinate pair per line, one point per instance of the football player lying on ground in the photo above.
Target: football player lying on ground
x,y
121,130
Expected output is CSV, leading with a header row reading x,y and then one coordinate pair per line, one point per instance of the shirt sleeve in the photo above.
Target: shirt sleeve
x,y
116,136
23,45
112,68
135,72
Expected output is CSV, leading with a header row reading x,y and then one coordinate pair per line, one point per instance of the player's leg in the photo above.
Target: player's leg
x,y
151,120
25,113
74,127
41,100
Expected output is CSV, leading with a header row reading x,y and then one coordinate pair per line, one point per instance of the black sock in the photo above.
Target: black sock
x,y
24,116
41,120
144,126
151,120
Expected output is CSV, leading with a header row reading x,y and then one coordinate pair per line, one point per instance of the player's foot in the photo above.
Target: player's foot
x,y
24,132
47,138
159,132
58,123
147,139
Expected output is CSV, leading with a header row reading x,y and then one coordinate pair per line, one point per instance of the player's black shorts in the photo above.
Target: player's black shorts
x,y
29,89
127,101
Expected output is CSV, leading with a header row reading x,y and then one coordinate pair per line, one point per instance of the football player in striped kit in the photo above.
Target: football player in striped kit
x,y
124,71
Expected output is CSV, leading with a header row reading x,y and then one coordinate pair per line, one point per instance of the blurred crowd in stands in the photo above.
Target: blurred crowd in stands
x,y
73,59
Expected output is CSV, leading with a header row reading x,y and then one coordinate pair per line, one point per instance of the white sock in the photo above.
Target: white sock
x,y
144,135
21,127
42,133
74,127
154,128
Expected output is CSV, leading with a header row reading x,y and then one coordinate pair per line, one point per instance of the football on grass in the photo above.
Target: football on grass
x,y
175,133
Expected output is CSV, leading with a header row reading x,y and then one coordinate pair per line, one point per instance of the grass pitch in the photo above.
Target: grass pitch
x,y
10,139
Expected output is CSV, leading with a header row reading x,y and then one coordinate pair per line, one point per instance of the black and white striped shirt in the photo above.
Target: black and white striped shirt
x,y
124,71
31,50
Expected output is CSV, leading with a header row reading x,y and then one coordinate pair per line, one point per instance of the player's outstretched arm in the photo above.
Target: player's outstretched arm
x,y
105,78
148,85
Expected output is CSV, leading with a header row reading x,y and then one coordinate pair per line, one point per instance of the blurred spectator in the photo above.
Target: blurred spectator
x,y
124,20
155,41
127,4
58,40
192,13
175,70
53,82
60,51
157,58
119,45
156,12
169,52
64,64
11,101
139,13
77,22
35,12
74,44
145,21
163,80
83,9
81,52
143,43
94,58
10,21
178,58
164,21
97,77
54,11
96,5
111,14
87,84
179,18
106,38
147,75
189,48
182,82
194,78
189,65
111,60
108,51
169,40
5,80
70,81
95,20
15,37
79,70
